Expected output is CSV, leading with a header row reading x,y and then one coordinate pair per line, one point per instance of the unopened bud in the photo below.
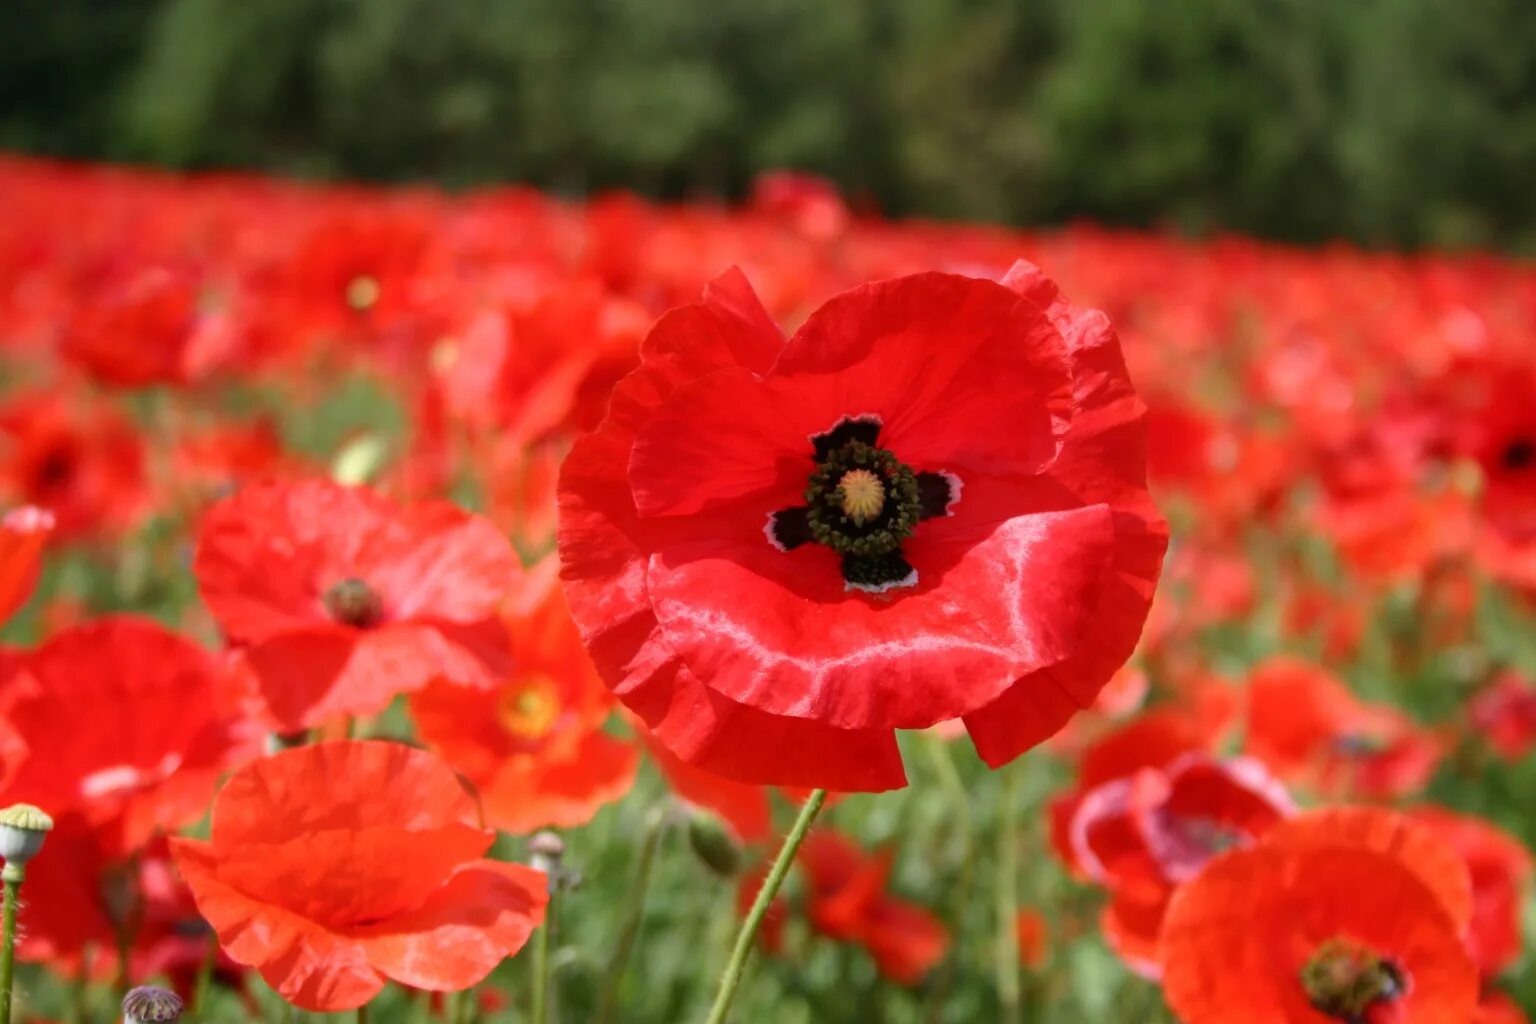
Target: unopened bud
x,y
714,843
23,828
151,1003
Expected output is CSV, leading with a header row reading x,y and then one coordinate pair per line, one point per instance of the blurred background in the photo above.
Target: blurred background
x,y
1386,122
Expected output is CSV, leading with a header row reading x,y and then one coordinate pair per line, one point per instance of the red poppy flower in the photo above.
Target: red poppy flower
x,y
849,903
744,807
1307,726
1498,1008
80,460
340,599
926,504
1033,933
1501,872
1322,924
1505,714
162,727
145,327
533,747
335,866
1144,832
23,533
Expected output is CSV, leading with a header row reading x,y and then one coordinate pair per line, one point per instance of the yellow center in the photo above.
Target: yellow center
x,y
362,293
529,707
863,495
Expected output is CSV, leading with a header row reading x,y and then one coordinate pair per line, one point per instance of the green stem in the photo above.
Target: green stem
x,y
362,1014
654,829
8,950
959,804
205,976
1008,899
744,938
542,943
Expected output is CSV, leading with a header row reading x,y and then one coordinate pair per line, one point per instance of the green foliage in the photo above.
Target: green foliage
x,y
1388,121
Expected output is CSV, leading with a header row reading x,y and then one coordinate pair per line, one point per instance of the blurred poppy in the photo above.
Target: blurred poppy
x,y
1505,714
534,747
1311,730
848,902
1033,934
339,599
163,725
79,459
334,867
744,488
1322,924
23,533
1501,869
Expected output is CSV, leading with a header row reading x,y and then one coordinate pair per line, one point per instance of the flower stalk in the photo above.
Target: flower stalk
x,y
656,826
740,953
23,828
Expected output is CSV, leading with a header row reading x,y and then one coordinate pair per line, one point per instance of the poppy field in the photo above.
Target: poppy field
x,y
494,607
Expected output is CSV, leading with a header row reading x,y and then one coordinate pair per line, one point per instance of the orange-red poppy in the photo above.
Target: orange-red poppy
x,y
335,867
1330,919
340,599
23,533
1501,869
533,747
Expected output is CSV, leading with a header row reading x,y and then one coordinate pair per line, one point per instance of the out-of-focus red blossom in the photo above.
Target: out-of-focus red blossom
x,y
1312,731
1033,934
533,747
743,806
1498,1008
810,205
336,867
339,599
153,326
80,459
83,900
1152,809
1343,915
125,724
1500,868
1505,715
723,614
213,462
24,533
848,902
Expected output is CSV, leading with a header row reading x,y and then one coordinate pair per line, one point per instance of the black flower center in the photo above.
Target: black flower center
x,y
352,602
863,502
1344,981
1519,454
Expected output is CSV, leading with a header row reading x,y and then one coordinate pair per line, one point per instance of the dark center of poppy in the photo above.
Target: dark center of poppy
x,y
1208,835
863,502
1344,980
352,602
1354,744
1519,454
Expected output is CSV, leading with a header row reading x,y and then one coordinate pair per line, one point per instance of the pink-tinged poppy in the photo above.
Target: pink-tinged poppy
x,y
1311,730
23,534
126,724
1505,715
927,504
848,902
334,868
1500,868
1354,917
340,599
533,747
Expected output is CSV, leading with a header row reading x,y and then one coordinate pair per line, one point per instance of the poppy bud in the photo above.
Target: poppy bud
x,y
23,828
714,844
151,1003
545,851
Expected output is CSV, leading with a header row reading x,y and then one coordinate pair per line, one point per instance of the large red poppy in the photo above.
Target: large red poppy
x,y
1329,919
126,724
927,504
334,867
534,746
341,599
